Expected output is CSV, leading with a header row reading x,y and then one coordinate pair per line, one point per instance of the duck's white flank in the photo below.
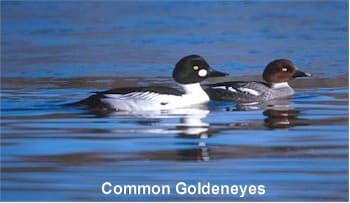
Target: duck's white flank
x,y
150,101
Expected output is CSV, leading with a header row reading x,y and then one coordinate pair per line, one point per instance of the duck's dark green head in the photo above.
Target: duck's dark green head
x,y
193,69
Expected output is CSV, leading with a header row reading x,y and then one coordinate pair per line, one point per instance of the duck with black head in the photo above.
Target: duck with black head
x,y
188,73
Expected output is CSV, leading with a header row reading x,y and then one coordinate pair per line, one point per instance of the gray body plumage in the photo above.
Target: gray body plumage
x,y
245,92
276,75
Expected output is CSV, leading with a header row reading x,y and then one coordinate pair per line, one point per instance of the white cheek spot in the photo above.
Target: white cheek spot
x,y
284,69
202,73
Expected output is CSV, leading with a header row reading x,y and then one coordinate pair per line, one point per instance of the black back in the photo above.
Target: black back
x,y
154,89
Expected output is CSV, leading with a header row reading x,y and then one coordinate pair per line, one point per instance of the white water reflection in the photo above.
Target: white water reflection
x,y
190,121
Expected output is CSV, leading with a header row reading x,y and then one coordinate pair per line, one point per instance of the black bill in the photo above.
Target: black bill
x,y
214,73
299,74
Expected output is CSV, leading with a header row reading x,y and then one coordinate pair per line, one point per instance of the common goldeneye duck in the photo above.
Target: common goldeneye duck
x,y
277,74
188,73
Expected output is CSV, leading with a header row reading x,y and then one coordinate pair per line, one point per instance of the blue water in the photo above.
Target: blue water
x,y
58,52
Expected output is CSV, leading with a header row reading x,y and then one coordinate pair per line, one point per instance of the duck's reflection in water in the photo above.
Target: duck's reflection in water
x,y
192,126
279,113
184,122
283,118
189,128
193,132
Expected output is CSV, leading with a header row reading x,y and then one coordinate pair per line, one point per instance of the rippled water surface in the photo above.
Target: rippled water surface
x,y
59,52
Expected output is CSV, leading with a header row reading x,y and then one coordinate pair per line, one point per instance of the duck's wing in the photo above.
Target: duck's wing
x,y
237,90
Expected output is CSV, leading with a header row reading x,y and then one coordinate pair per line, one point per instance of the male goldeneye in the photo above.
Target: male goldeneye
x,y
277,74
188,72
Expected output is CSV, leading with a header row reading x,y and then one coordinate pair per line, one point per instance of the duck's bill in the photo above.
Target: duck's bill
x,y
214,73
299,74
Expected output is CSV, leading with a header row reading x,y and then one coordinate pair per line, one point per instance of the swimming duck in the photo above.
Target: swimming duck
x,y
277,74
188,73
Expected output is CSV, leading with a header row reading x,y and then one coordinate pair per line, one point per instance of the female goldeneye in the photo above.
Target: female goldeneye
x,y
188,72
277,74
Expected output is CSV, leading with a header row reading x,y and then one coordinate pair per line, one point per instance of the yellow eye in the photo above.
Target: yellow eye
x,y
195,67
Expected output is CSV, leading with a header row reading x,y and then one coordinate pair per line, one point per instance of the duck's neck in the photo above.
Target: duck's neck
x,y
279,85
195,90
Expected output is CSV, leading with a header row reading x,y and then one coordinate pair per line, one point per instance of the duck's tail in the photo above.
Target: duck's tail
x,y
93,101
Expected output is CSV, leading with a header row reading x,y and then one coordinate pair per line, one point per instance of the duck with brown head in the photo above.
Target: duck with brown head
x,y
277,76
